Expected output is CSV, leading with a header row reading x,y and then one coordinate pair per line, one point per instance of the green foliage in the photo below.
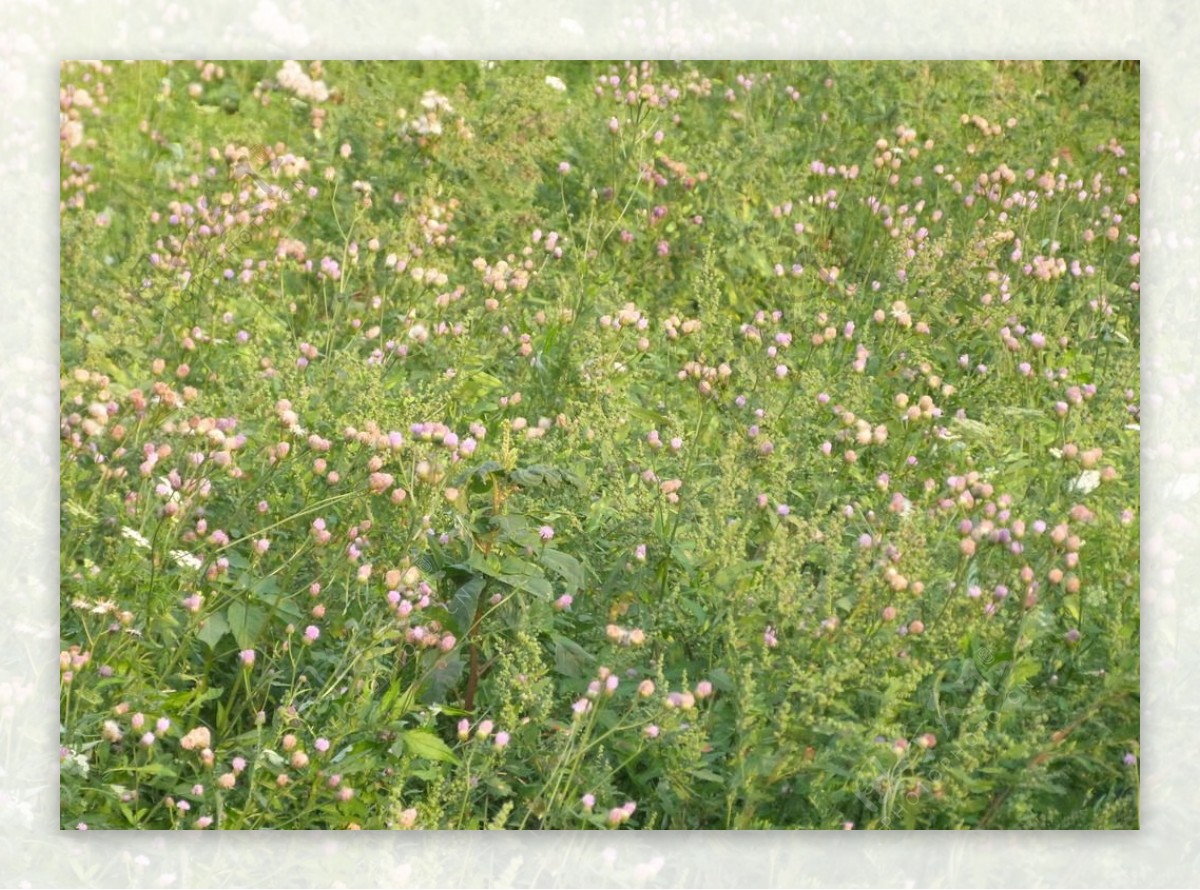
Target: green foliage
x,y
699,446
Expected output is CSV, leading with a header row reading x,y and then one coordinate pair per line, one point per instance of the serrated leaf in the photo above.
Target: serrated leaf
x,y
423,743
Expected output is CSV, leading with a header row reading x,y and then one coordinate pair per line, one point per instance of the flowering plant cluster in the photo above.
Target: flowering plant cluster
x,y
582,445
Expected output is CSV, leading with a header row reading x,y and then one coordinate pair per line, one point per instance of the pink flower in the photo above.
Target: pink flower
x,y
501,740
378,483
247,657
311,633
545,533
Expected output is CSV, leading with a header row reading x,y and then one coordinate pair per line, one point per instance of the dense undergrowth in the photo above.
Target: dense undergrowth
x,y
570,445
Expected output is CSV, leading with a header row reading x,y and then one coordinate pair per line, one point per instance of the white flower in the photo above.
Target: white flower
x,y
1087,482
187,560
135,536
74,763
555,84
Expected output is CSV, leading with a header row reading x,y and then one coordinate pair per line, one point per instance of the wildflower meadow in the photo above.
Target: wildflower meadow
x,y
594,445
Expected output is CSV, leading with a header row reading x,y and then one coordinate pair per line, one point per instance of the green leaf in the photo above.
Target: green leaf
x,y
571,659
706,775
396,705
444,674
725,577
273,758
478,477
565,565
215,626
423,743
516,573
515,529
465,603
696,610
1023,669
245,623
538,475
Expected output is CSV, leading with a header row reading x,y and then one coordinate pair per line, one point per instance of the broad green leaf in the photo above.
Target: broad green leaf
x,y
465,602
215,626
571,659
444,674
565,565
245,623
423,743
516,573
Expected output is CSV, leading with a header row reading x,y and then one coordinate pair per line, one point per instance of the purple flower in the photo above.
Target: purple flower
x,y
546,533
